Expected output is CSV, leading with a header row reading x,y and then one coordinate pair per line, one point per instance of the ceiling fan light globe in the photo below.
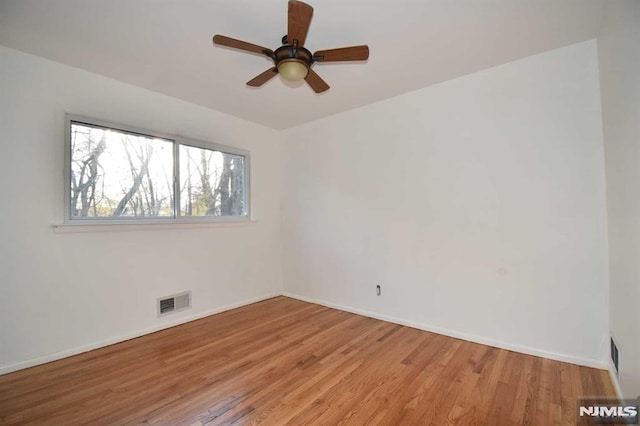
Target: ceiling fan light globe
x,y
293,69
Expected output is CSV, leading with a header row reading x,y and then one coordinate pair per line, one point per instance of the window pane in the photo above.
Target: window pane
x,y
212,183
120,174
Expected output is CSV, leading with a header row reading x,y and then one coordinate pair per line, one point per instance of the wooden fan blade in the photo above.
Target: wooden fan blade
x,y
353,53
317,84
242,45
299,20
263,78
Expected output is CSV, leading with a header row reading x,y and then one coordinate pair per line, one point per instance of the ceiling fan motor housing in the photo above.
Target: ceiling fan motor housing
x,y
293,62
288,52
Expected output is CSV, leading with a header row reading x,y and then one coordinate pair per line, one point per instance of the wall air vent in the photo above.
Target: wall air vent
x,y
615,357
174,303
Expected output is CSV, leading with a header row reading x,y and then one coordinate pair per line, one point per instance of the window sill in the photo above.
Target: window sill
x,y
110,227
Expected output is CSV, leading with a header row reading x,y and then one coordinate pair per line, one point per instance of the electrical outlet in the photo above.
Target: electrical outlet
x,y
378,290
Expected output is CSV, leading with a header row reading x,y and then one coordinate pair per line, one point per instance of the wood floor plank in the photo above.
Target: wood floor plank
x,y
283,361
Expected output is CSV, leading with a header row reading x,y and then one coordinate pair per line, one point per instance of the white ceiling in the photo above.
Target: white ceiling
x,y
165,45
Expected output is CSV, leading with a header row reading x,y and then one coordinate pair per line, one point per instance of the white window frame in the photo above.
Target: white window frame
x,y
177,142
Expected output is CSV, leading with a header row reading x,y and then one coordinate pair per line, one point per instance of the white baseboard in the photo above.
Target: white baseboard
x,y
426,327
117,339
614,379
459,335
309,300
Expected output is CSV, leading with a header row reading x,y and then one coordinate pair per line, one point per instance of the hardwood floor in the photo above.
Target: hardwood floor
x,y
286,361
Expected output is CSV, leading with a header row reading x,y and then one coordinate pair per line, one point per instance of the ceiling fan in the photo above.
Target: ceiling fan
x,y
292,61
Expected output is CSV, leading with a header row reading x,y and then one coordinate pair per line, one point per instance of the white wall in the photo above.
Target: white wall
x,y
478,204
61,292
619,59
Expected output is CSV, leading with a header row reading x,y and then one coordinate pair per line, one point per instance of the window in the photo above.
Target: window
x,y
115,173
